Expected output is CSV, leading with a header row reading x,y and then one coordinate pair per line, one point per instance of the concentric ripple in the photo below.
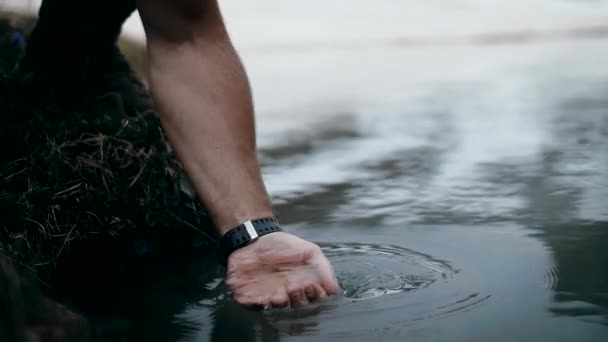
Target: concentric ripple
x,y
551,277
368,271
386,289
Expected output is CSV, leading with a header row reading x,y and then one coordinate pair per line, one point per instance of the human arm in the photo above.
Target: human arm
x,y
203,95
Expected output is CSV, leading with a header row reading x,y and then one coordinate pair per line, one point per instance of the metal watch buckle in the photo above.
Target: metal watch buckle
x,y
253,234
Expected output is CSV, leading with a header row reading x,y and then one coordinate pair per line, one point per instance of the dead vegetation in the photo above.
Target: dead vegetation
x,y
68,175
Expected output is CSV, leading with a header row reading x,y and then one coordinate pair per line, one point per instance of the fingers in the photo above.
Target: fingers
x,y
311,293
324,285
327,277
279,300
306,295
322,294
297,297
315,292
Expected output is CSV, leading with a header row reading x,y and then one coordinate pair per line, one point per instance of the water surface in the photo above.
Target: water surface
x,y
460,193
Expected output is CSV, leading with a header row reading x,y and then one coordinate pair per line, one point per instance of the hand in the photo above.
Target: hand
x,y
280,270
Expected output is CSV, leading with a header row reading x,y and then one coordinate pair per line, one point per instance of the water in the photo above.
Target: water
x,y
451,157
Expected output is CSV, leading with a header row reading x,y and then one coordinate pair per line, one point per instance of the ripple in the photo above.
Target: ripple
x,y
386,289
551,277
368,271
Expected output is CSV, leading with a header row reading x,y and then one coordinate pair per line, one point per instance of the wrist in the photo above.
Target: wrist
x,y
229,220
244,234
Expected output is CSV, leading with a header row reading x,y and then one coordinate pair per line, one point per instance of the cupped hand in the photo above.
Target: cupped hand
x,y
280,270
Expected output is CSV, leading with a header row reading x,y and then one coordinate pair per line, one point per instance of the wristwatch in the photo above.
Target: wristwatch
x,y
244,234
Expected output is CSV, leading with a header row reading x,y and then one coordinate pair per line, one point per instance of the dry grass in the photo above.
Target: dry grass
x,y
71,175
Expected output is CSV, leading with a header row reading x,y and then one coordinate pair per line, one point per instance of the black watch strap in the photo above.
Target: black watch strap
x,y
244,234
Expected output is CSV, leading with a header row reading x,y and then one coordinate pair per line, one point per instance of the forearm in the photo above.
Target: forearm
x,y
203,95
204,98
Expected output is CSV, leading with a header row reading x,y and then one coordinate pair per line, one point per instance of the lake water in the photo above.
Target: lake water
x,y
451,157
460,192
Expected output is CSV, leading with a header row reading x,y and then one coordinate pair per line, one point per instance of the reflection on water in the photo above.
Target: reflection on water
x,y
581,287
